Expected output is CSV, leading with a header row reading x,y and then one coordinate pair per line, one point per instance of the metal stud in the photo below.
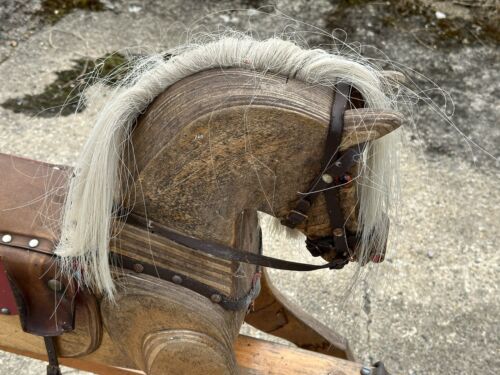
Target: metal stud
x,y
4,311
138,267
338,232
55,285
177,279
366,371
327,178
6,238
216,298
33,242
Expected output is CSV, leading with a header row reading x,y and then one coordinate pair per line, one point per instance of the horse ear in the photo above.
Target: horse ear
x,y
363,125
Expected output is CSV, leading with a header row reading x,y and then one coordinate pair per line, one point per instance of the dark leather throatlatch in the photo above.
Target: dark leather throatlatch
x,y
334,173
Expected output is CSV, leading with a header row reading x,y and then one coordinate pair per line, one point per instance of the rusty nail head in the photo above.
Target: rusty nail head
x,y
5,311
177,279
216,298
138,267
338,232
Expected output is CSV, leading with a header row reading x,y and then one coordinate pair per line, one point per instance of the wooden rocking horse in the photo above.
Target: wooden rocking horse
x,y
197,159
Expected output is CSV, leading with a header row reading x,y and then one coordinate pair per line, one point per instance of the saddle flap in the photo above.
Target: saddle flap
x,y
45,301
31,197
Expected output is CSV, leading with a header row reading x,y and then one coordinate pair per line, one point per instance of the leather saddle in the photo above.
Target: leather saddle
x,y
31,197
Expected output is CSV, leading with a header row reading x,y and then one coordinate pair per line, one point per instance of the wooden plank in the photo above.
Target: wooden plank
x,y
253,356
264,357
275,314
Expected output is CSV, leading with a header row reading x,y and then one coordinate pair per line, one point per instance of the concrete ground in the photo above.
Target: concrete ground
x,y
432,307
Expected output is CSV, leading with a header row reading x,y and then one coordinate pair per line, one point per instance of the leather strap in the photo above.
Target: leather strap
x,y
333,166
225,252
53,366
333,145
165,274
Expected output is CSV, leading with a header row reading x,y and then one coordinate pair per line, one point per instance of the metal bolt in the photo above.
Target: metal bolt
x,y
216,298
6,238
55,285
5,311
366,371
33,242
177,279
338,232
327,178
138,267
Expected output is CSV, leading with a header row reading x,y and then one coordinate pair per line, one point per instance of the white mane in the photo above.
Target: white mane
x,y
96,187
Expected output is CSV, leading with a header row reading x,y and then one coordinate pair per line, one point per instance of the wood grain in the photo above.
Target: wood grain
x,y
254,357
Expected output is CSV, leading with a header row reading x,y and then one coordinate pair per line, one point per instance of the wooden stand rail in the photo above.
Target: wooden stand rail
x,y
254,356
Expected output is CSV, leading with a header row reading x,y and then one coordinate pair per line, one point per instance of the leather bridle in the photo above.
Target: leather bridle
x,y
334,174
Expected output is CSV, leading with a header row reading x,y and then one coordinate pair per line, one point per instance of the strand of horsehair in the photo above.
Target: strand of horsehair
x,y
95,186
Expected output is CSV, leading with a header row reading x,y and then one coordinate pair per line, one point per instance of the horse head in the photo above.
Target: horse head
x,y
186,153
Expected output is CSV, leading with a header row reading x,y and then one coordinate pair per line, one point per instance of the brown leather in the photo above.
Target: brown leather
x,y
26,213
43,312
334,167
7,300
25,208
